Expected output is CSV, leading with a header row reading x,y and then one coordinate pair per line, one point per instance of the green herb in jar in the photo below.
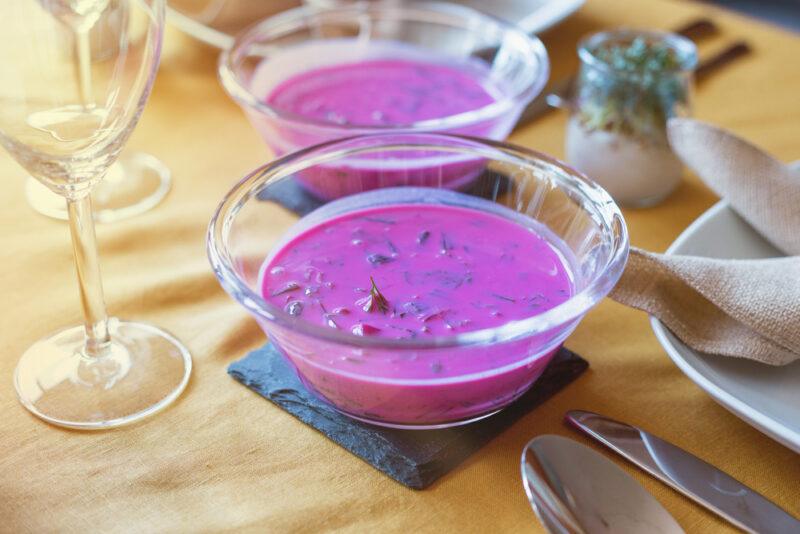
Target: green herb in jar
x,y
639,84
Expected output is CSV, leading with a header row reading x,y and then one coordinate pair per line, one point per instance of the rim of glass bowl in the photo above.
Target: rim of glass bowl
x,y
303,16
571,309
686,49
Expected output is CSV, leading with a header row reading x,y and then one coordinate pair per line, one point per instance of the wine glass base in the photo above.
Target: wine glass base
x,y
145,369
136,183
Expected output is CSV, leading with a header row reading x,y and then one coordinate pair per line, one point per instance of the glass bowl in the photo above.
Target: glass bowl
x,y
307,38
388,381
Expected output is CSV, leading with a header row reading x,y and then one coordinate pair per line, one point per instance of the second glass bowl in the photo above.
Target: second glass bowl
x,y
308,38
504,361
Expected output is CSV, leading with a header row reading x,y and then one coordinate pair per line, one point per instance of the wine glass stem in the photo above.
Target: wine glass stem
x,y
84,246
83,51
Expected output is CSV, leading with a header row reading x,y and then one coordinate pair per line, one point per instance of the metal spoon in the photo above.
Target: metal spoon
x,y
575,490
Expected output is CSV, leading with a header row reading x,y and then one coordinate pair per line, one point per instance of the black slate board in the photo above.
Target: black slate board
x,y
415,458
293,196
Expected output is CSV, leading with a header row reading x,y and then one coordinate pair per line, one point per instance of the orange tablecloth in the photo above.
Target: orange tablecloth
x,y
222,458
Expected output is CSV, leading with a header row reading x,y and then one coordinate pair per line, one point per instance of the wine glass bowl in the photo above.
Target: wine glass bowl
x,y
65,119
91,28
79,14
134,184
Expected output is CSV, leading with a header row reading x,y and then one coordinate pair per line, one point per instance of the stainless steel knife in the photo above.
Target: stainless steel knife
x,y
698,480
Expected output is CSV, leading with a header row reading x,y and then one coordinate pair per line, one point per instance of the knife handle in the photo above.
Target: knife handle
x,y
715,62
698,29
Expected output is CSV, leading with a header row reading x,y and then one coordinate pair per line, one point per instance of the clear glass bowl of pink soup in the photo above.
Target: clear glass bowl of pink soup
x,y
427,381
458,44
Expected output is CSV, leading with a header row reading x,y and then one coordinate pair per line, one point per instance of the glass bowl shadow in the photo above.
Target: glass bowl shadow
x,y
530,188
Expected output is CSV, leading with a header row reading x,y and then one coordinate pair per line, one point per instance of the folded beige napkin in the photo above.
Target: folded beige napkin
x,y
742,308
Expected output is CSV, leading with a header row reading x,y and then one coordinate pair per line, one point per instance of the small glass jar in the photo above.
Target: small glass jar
x,y
630,84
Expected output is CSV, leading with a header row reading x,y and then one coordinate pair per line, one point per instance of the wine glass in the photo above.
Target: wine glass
x,y
136,182
65,119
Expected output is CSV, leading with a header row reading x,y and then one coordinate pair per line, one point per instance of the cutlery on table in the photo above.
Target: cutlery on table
x,y
720,59
695,478
574,490
557,95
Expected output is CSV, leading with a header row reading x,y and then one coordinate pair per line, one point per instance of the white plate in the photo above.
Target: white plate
x,y
533,16
766,397
214,21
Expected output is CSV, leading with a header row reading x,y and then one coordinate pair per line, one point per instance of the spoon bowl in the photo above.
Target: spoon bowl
x,y
573,489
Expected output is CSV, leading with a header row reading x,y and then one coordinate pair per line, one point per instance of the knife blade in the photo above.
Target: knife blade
x,y
695,478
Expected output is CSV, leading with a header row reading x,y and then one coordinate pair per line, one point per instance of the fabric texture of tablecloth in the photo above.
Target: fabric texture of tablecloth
x,y
221,459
